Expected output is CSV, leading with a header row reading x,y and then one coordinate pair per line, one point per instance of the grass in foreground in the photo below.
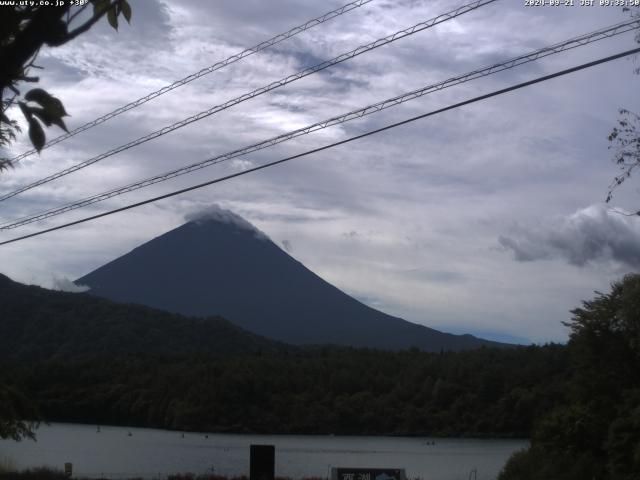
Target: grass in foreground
x,y
50,474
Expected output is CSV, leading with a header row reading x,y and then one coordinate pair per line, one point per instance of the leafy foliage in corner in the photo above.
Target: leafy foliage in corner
x,y
24,29
595,432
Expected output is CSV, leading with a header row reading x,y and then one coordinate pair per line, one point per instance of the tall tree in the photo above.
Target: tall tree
x,y
595,434
625,136
25,28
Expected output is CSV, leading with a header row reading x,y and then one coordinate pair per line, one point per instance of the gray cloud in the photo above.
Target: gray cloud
x,y
592,234
65,285
219,214
451,183
434,275
287,246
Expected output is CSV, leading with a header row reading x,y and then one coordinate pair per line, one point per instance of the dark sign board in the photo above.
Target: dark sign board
x,y
368,474
262,462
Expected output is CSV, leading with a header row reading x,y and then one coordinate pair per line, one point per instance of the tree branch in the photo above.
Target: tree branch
x,y
27,42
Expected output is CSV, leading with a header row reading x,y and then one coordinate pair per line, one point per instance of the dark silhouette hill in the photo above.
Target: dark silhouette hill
x,y
40,324
221,265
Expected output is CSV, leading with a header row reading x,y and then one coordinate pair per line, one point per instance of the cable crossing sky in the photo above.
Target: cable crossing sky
x,y
575,42
326,147
205,71
259,91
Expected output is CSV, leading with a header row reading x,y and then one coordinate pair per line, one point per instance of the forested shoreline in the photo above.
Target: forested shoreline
x,y
578,403
482,393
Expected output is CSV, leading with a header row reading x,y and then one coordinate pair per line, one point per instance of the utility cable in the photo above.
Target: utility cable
x,y
205,71
259,91
335,144
376,107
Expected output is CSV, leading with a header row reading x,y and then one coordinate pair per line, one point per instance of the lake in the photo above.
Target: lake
x,y
151,453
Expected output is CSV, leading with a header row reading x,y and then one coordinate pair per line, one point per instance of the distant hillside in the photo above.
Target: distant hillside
x,y
222,265
40,324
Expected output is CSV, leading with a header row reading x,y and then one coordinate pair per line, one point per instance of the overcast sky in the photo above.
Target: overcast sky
x,y
488,219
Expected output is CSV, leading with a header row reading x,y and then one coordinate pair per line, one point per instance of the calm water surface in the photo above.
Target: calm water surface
x,y
153,453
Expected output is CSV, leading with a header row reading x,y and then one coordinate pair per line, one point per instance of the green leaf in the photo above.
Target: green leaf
x,y
48,101
45,116
56,34
112,18
126,10
38,95
60,123
56,108
36,134
41,114
99,6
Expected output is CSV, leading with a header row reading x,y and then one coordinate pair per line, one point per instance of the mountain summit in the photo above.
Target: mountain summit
x,y
220,264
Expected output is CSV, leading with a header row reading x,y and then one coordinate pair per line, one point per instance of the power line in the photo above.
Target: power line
x,y
376,107
335,144
259,91
205,71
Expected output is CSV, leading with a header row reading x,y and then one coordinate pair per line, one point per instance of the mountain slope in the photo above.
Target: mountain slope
x,y
40,324
222,265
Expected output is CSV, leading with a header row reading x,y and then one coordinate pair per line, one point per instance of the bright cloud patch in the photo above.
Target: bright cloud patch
x,y
219,214
65,285
590,235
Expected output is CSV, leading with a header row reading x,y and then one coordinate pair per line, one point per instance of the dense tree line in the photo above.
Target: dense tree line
x,y
477,393
594,431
